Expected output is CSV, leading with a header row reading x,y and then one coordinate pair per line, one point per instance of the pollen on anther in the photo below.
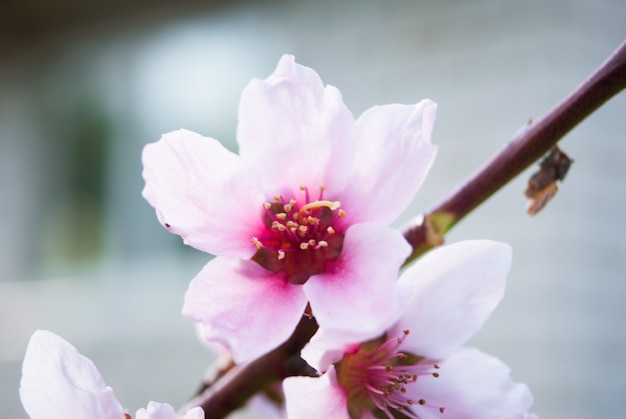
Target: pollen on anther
x,y
304,246
255,241
303,230
322,243
281,254
281,216
342,213
267,205
330,230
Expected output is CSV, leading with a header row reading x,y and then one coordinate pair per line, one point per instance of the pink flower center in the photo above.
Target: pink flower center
x,y
376,377
300,236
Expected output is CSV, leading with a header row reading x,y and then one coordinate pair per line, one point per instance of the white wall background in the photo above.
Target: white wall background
x,y
490,64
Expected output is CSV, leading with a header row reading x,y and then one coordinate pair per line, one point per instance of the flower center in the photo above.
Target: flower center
x,y
299,237
377,375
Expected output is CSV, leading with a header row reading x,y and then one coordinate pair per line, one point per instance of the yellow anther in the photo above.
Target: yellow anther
x,y
302,188
312,220
303,230
281,215
288,207
330,230
278,226
304,246
322,187
342,213
333,205
322,243
255,241
267,205
312,242
292,224
276,198
281,254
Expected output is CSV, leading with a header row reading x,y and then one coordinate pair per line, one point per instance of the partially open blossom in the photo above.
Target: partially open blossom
x,y
58,382
417,366
299,219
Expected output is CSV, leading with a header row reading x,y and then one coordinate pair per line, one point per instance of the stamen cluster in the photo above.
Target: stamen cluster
x,y
299,238
377,375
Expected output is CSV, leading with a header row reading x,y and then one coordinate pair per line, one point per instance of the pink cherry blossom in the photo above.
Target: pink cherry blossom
x,y
299,219
58,382
417,365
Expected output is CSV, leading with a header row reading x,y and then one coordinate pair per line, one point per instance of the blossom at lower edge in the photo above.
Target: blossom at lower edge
x,y
417,365
58,382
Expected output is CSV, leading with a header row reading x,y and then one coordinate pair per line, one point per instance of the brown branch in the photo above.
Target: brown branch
x,y
241,382
527,147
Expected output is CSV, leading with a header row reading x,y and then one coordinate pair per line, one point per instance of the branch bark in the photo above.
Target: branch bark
x,y
524,149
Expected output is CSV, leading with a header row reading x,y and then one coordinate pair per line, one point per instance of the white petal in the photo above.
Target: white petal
x,y
471,385
453,291
294,130
391,160
315,397
165,411
243,306
58,382
358,291
203,192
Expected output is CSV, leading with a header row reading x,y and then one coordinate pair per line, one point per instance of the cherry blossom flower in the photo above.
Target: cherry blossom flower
x,y
417,366
299,219
58,382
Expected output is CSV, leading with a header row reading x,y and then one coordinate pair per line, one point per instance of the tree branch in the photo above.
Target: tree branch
x,y
235,387
525,148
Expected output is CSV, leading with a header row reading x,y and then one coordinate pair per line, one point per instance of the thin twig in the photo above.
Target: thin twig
x,y
527,147
241,382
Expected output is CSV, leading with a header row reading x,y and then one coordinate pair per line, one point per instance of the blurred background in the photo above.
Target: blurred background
x,y
84,85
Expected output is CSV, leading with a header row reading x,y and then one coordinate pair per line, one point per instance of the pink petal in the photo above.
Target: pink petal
x,y
58,382
471,384
391,160
243,306
452,289
294,129
315,397
358,291
165,411
328,346
202,192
